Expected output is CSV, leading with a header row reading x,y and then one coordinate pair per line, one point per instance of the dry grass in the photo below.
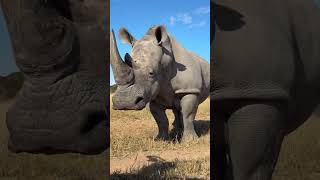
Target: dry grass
x,y
132,140
192,169
131,134
47,167
300,154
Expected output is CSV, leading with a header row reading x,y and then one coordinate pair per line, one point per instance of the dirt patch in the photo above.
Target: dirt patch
x,y
141,159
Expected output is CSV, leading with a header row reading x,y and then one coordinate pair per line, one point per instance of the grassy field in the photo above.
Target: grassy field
x,y
134,153
47,167
300,154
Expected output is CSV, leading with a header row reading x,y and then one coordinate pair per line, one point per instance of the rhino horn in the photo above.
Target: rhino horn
x,y
122,72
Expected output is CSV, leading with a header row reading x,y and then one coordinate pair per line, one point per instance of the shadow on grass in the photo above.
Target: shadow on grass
x,y
158,169
201,127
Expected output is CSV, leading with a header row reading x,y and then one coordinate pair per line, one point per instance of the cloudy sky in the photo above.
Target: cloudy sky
x,y
7,64
188,21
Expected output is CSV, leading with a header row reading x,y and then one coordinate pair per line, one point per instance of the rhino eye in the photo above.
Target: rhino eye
x,y
151,73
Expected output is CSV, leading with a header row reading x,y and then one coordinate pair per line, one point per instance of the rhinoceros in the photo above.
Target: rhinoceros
x,y
265,81
161,73
60,47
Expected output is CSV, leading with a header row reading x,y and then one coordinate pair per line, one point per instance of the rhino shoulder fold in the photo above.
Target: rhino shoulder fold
x,y
189,91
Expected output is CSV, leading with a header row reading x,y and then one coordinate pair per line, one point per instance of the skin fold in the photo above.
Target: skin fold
x,y
264,81
60,47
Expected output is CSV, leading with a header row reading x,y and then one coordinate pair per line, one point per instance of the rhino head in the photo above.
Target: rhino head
x,y
60,47
139,75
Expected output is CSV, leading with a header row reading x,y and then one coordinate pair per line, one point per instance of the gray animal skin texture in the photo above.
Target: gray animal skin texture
x,y
161,73
265,81
60,47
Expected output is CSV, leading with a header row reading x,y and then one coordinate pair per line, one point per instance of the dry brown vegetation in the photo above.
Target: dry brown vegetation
x,y
139,157
135,155
300,154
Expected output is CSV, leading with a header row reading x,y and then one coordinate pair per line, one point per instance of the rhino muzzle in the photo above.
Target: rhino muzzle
x,y
128,98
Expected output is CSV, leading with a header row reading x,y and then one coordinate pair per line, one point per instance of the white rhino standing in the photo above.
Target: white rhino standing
x,y
160,72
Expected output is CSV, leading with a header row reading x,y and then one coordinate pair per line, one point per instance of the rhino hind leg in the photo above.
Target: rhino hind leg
x,y
254,138
159,114
189,106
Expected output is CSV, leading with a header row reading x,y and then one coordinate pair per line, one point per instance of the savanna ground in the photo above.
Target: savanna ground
x,y
26,166
300,154
135,155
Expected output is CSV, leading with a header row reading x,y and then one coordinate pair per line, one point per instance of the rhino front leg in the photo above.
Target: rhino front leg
x,y
158,113
176,132
189,106
255,136
177,123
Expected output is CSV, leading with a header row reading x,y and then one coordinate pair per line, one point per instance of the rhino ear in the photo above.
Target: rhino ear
x,y
162,38
126,37
161,35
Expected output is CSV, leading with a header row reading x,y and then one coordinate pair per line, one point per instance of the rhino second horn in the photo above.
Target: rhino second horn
x,y
122,72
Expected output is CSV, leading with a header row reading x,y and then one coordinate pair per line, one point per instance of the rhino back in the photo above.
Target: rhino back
x,y
260,50
193,72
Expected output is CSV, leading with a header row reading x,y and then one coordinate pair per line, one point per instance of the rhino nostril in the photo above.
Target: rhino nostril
x,y
138,100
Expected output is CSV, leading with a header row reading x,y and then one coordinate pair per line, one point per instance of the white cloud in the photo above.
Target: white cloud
x,y
185,18
200,24
172,20
202,10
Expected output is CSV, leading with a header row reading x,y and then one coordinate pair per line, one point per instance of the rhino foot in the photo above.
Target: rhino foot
x,y
189,136
161,137
176,134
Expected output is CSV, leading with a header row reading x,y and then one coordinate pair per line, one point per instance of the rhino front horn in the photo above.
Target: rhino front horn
x,y
122,72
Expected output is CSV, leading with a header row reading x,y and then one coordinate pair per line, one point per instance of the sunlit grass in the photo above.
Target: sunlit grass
x,y
132,132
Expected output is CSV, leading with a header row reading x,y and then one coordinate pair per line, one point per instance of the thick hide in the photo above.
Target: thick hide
x,y
60,47
265,50
265,81
162,73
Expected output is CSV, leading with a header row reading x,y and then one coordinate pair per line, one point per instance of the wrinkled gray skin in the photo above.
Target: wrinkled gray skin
x,y
60,46
265,81
161,73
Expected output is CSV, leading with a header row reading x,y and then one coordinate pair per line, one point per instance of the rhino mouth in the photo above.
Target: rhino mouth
x,y
139,100
137,107
124,99
58,128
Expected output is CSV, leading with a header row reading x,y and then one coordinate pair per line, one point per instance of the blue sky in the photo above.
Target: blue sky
x,y
7,63
188,21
